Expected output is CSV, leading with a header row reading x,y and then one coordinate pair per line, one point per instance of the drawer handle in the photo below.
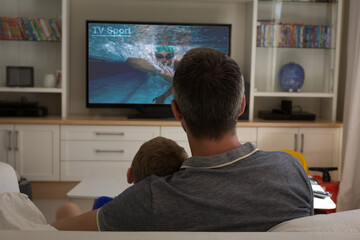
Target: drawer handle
x,y
109,151
10,145
110,133
302,143
16,147
296,142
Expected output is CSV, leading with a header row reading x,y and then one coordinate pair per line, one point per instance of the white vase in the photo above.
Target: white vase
x,y
49,81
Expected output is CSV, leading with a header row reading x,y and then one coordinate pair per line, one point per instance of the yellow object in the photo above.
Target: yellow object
x,y
299,157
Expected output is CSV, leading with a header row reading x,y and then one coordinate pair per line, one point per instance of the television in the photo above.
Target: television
x,y
131,64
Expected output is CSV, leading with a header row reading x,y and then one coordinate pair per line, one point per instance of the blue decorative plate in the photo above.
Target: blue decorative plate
x,y
291,77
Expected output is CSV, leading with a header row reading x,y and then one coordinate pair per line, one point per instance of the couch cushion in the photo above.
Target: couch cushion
x,y
347,221
17,212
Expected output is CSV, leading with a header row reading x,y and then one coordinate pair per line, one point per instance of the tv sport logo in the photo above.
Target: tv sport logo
x,y
111,31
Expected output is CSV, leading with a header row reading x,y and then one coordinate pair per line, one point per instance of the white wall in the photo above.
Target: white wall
x,y
152,11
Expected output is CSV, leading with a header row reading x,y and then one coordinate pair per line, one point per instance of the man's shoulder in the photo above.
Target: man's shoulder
x,y
278,156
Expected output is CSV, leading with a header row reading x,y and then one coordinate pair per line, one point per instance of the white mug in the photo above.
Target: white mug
x,y
49,81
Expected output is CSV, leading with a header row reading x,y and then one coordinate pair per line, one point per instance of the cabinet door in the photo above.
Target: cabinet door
x,y
37,154
7,144
90,149
277,139
178,135
322,148
247,134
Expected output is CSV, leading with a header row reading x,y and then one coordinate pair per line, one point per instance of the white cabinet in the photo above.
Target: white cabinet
x,y
6,144
88,149
33,150
245,134
321,147
178,135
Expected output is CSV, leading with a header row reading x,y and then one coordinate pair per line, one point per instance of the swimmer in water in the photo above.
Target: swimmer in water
x,y
165,56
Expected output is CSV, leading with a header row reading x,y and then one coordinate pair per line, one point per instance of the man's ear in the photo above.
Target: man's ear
x,y
243,105
175,110
130,176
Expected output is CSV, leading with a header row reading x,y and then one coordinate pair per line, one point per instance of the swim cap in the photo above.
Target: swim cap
x,y
164,48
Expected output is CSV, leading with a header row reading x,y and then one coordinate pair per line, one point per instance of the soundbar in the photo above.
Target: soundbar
x,y
271,115
24,112
22,109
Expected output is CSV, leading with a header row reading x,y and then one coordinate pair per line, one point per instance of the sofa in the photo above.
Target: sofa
x,y
23,215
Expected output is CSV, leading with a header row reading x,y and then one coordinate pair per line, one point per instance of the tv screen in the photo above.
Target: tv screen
x,y
131,64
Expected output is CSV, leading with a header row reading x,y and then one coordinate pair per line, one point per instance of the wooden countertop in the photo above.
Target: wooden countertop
x,y
122,120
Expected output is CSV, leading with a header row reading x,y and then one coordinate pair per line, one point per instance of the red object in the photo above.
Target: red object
x,y
333,188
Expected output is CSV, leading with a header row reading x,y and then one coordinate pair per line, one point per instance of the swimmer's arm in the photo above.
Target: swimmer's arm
x,y
141,64
83,222
145,66
167,76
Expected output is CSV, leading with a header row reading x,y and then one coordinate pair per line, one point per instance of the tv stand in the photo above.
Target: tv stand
x,y
153,112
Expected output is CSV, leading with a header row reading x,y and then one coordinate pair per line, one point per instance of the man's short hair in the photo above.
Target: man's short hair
x,y
208,88
159,156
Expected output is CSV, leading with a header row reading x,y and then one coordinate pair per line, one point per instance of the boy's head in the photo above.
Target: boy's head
x,y
159,156
208,90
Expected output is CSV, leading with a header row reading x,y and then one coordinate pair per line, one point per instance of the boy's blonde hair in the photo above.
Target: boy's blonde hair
x,y
159,156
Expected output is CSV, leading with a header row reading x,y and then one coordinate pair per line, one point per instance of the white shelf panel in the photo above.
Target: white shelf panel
x,y
293,94
31,90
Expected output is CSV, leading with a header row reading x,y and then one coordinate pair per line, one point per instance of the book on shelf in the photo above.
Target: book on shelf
x,y
293,35
6,28
34,30
15,32
23,30
52,34
55,27
28,28
44,28
2,31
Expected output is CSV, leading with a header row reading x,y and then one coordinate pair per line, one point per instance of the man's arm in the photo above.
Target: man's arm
x,y
83,222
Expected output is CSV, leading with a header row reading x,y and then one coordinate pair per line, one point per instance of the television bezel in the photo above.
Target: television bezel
x,y
150,109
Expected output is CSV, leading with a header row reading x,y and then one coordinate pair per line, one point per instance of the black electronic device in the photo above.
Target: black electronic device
x,y
286,106
286,113
319,193
22,109
280,115
114,78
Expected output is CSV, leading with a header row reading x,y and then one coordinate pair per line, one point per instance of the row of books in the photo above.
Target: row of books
x,y
294,35
27,28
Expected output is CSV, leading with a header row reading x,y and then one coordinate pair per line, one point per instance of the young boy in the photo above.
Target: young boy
x,y
160,156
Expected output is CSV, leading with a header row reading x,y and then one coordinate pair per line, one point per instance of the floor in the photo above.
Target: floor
x,y
48,206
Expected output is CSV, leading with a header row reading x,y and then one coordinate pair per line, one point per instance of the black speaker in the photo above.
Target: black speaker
x,y
19,76
286,106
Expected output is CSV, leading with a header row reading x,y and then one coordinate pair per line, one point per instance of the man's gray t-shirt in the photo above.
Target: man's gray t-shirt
x,y
244,189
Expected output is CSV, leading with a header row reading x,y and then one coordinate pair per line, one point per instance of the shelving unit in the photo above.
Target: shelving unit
x,y
45,56
320,60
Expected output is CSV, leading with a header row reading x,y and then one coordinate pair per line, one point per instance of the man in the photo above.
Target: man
x,y
167,63
224,186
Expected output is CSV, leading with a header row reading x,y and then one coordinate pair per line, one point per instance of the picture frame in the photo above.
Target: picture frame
x,y
18,76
